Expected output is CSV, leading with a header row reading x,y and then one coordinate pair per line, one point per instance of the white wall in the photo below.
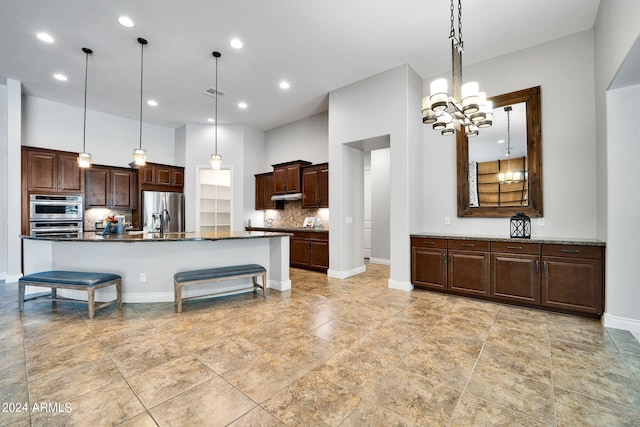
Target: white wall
x,y
380,206
110,139
622,290
305,139
241,149
615,32
14,178
4,222
384,104
564,70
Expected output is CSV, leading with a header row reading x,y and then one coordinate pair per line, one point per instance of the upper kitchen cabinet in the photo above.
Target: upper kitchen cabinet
x,y
155,175
110,187
315,186
287,177
264,191
50,171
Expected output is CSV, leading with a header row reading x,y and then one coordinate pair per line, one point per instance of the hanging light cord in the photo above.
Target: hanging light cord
x,y
87,51
508,110
452,32
141,83
216,113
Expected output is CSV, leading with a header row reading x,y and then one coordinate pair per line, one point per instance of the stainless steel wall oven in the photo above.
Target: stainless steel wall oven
x,y
56,215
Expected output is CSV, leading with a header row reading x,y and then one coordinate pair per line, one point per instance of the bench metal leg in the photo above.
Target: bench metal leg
x,y
20,296
91,302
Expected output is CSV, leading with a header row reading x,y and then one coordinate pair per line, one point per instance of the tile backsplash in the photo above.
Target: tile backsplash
x,y
293,215
91,216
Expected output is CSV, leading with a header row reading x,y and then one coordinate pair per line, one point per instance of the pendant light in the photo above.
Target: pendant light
x,y
140,155
216,159
466,108
84,158
508,177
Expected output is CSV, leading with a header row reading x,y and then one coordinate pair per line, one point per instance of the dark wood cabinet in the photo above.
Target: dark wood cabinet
x,y
110,187
309,250
468,270
264,191
287,177
49,171
559,277
429,263
156,175
515,272
573,278
315,186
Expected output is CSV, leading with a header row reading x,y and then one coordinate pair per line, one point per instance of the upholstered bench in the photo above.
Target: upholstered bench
x,y
194,277
76,280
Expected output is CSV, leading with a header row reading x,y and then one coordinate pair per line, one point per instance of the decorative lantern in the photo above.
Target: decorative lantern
x,y
520,226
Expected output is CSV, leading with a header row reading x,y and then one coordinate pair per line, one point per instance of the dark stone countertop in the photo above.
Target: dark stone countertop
x,y
503,239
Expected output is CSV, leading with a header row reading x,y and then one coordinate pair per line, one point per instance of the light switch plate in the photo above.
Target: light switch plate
x,y
143,277
541,222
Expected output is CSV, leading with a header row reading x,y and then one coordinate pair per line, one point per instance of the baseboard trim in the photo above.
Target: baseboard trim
x,y
402,286
336,274
279,286
381,261
616,322
10,278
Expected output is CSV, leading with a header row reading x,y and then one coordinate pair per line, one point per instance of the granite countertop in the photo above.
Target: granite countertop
x,y
504,239
288,229
132,237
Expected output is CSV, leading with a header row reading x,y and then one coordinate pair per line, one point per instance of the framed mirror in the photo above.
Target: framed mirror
x,y
499,172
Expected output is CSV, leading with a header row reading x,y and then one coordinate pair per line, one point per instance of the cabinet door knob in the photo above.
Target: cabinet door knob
x,y
537,266
544,266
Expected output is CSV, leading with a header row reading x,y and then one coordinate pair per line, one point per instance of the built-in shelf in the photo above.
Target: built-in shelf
x,y
215,200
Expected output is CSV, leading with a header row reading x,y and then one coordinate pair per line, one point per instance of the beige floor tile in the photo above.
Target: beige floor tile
x,y
50,360
229,354
472,411
515,392
523,340
213,403
105,406
369,414
264,376
421,400
312,401
625,342
140,420
257,417
138,356
574,409
507,358
460,326
166,381
340,331
15,396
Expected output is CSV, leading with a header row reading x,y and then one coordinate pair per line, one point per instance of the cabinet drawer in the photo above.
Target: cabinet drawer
x,y
469,245
314,235
573,251
422,242
516,248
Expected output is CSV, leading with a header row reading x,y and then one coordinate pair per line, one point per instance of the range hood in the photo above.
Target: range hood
x,y
292,196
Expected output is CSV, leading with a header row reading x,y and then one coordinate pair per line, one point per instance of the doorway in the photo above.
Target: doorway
x,y
213,200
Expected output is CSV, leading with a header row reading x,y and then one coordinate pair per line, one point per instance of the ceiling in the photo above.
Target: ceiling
x,y
316,46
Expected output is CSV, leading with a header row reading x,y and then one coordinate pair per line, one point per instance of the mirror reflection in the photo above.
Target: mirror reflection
x,y
498,160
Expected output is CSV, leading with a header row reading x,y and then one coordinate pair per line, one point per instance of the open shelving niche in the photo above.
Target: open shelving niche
x,y
214,200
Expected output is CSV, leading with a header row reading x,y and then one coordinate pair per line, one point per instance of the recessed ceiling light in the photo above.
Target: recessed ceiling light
x,y
210,120
60,77
236,43
152,102
501,141
284,85
125,21
45,37
242,105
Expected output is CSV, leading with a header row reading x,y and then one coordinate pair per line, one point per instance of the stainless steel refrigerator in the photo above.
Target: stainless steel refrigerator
x,y
163,206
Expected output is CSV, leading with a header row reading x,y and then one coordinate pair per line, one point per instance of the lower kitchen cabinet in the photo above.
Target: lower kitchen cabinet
x,y
310,250
429,263
515,272
572,278
559,277
468,271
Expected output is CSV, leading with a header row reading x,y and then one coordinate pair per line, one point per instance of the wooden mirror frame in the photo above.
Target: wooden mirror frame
x,y
531,97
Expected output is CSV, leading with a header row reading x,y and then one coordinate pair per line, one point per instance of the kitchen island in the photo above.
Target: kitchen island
x,y
147,263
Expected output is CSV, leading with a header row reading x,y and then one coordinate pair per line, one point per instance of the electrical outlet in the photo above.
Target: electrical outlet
x,y
348,220
447,220
143,277
541,222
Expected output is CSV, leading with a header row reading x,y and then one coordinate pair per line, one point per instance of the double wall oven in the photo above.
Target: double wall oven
x,y
56,215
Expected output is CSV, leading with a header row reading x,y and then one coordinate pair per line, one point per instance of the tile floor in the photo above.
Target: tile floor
x,y
330,352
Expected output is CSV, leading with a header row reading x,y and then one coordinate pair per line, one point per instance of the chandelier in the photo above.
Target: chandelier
x,y
509,176
468,108
140,155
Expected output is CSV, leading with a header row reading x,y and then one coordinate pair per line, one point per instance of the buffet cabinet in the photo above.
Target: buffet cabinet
x,y
556,276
